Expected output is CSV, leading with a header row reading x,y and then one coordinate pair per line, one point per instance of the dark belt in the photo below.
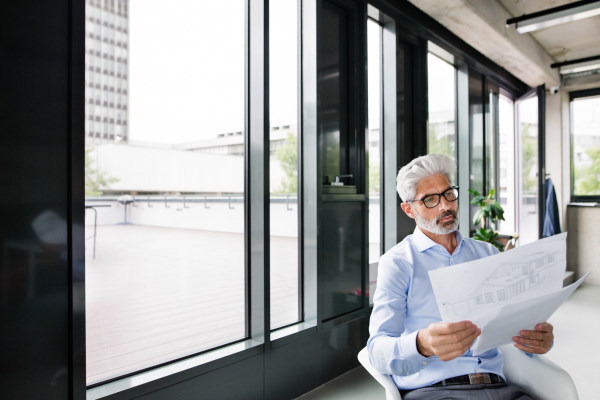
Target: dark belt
x,y
471,379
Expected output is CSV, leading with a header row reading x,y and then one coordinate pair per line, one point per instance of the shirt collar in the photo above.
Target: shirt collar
x,y
423,242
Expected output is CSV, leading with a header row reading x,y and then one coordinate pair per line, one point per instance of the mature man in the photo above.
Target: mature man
x,y
426,358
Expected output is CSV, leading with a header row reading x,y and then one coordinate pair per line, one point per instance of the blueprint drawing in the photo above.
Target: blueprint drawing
x,y
476,291
505,293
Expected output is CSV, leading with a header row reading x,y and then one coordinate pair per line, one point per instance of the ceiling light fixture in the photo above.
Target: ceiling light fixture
x,y
555,16
575,66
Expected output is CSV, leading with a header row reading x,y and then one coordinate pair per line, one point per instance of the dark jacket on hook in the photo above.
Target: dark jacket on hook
x,y
552,219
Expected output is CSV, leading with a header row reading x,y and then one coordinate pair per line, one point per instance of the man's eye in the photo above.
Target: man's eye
x,y
429,201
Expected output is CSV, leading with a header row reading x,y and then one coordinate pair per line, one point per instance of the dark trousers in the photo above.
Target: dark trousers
x,y
486,391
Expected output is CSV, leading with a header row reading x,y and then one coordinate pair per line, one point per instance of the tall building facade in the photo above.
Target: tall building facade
x,y
106,65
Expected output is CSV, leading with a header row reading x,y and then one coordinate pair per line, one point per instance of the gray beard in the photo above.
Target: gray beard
x,y
433,225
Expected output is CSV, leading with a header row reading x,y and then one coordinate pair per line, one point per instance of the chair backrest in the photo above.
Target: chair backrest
x,y
391,391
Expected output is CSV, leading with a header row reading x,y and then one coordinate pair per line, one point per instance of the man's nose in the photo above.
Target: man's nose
x,y
444,204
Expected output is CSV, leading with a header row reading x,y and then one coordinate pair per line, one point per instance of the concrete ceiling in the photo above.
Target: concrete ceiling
x,y
482,24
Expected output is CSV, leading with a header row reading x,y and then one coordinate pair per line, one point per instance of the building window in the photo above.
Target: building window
x,y
507,162
489,297
441,129
585,145
374,32
166,279
284,201
501,294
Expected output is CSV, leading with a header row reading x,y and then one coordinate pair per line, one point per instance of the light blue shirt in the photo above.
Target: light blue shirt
x,y
404,303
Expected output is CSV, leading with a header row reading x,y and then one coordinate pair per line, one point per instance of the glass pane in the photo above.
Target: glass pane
x,y
506,163
332,99
283,69
441,136
165,269
373,145
490,143
476,116
586,146
527,124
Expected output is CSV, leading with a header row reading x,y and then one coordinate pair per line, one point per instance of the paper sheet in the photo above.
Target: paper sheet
x,y
519,316
500,292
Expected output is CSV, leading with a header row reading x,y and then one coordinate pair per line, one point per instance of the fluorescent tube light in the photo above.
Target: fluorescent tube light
x,y
579,67
555,16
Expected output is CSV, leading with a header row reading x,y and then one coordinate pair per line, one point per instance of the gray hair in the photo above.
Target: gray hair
x,y
420,168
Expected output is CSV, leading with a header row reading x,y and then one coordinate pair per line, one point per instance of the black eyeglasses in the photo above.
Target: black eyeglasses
x,y
433,200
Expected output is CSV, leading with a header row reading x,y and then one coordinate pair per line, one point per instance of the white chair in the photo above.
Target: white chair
x,y
543,379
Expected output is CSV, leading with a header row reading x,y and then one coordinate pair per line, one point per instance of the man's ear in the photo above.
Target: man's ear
x,y
407,208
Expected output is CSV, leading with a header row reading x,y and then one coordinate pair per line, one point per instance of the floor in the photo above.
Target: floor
x,y
576,331
145,285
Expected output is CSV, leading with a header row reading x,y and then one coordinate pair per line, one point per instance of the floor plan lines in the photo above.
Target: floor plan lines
x,y
506,283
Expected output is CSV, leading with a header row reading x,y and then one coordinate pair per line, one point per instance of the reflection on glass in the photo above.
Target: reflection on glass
x,y
373,145
165,270
283,16
332,99
506,163
490,143
586,146
374,150
476,116
441,135
527,124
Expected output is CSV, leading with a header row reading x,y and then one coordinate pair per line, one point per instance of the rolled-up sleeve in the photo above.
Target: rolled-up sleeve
x,y
389,352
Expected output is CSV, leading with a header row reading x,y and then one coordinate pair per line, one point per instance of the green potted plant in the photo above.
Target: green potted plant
x,y
488,213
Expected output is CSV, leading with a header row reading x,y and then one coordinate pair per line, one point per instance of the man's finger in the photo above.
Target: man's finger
x,y
532,342
456,346
544,327
535,335
456,337
530,350
443,328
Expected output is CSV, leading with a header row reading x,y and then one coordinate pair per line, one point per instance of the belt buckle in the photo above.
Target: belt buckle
x,y
478,378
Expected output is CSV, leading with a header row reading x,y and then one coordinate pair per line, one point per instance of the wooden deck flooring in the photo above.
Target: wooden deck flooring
x,y
156,294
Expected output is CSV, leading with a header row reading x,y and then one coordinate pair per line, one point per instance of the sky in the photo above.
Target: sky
x,y
186,68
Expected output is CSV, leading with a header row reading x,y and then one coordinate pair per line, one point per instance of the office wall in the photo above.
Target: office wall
x,y
583,242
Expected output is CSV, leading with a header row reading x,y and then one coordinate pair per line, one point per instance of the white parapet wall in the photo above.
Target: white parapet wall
x,y
219,214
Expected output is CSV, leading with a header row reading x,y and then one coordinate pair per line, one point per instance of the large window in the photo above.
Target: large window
x,y
441,87
528,162
506,163
585,144
165,219
374,149
284,210
374,139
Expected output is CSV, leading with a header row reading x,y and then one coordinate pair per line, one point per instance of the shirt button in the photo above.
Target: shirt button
x,y
451,258
477,370
407,373
424,363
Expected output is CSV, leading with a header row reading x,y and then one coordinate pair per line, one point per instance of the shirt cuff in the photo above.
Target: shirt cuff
x,y
409,349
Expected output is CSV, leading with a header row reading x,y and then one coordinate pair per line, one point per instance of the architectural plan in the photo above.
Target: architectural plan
x,y
520,285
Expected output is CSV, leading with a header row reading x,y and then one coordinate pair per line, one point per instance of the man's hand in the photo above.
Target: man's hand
x,y
447,341
535,342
